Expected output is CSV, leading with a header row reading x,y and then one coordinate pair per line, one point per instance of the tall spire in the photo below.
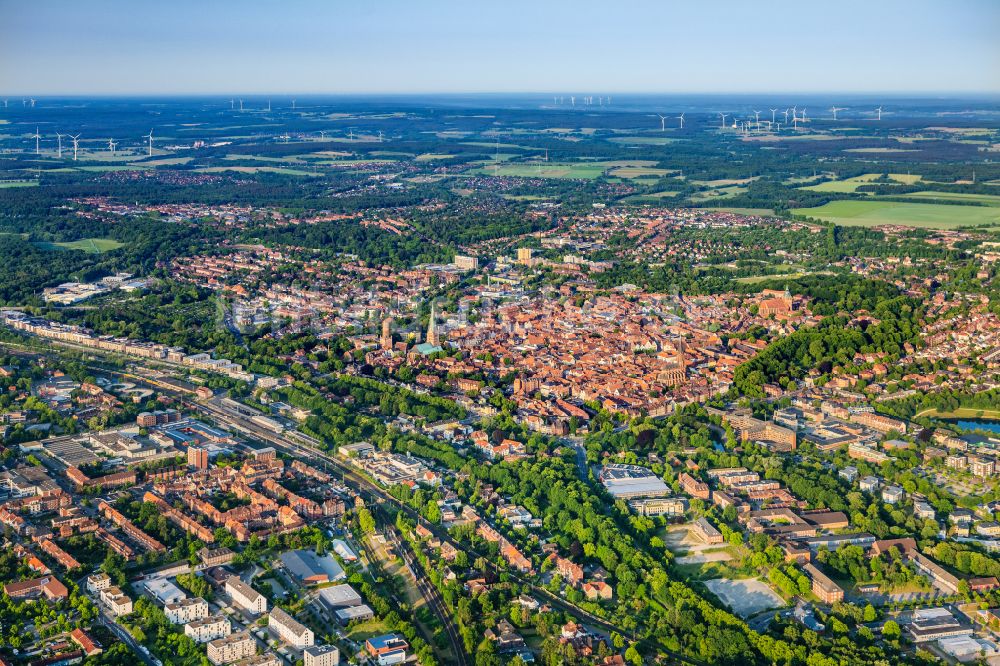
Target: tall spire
x,y
432,332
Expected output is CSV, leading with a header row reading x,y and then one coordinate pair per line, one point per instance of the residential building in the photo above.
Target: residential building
x,y
186,610
208,628
321,655
824,588
245,596
232,648
289,629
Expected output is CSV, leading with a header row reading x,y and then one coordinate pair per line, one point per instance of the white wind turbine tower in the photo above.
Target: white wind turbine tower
x,y
241,104
150,137
232,104
803,114
380,136
681,118
269,106
293,105
723,116
835,109
36,136
879,112
5,104
59,143
32,102
572,100
773,111
786,116
663,123
75,144
322,135
112,145
756,118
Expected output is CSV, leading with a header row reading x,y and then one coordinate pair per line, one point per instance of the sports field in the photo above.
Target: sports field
x,y
924,215
89,245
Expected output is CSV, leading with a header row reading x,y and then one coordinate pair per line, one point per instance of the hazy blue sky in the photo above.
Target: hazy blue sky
x,y
332,46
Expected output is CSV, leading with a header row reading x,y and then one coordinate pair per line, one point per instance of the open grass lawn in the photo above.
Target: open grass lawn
x,y
988,199
365,630
18,183
963,413
875,212
90,245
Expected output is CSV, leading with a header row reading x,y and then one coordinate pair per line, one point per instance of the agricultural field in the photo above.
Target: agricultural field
x,y
643,140
725,192
576,170
923,215
985,199
848,185
257,169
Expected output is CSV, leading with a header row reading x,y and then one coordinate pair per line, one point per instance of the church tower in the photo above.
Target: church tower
x,y
433,337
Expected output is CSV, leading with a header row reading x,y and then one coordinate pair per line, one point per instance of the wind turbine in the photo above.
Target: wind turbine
x,y
756,119
322,135
32,102
59,142
681,118
380,136
663,123
232,104
837,108
75,144
5,104
36,136
293,105
773,111
786,116
803,114
878,111
241,104
572,100
150,137
724,116
269,106
112,145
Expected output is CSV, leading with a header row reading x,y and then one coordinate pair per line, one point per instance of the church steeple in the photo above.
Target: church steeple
x,y
433,338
